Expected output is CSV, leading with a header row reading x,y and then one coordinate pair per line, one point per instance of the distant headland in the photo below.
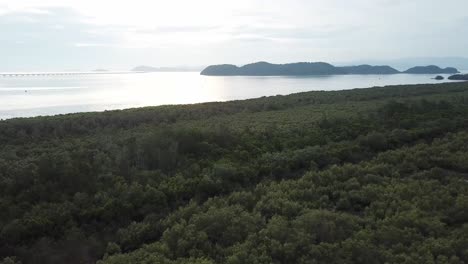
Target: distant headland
x,y
314,68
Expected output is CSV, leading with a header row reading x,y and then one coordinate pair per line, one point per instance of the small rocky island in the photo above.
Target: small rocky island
x,y
314,68
439,78
459,77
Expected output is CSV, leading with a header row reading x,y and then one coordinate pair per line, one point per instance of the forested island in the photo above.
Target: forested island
x,y
314,68
432,69
375,175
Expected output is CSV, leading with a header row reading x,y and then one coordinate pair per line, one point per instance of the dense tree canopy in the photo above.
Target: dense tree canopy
x,y
374,175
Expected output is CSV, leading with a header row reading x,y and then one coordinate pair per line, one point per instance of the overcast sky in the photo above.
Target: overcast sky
x,y
120,34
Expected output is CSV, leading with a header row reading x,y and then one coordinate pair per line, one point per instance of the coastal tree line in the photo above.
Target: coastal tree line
x,y
363,176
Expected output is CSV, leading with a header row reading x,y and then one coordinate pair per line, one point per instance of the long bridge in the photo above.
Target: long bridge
x,y
30,74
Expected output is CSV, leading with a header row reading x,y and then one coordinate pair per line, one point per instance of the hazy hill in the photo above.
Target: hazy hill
x,y
406,63
144,68
431,69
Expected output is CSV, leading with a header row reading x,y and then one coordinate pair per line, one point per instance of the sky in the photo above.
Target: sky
x,y
120,34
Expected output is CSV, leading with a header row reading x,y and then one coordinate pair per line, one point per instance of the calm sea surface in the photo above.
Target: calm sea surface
x,y
49,95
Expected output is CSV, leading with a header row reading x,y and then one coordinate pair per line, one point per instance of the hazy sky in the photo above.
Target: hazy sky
x,y
120,34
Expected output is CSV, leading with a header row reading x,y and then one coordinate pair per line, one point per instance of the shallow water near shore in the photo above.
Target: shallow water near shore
x,y
28,96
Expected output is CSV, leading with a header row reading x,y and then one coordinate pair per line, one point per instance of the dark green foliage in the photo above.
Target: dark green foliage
x,y
363,176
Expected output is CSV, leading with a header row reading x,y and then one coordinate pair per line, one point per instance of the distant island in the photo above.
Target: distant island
x,y
144,68
313,68
406,63
459,77
431,69
368,69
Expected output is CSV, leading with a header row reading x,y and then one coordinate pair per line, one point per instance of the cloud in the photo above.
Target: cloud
x,y
80,45
208,31
176,29
46,27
